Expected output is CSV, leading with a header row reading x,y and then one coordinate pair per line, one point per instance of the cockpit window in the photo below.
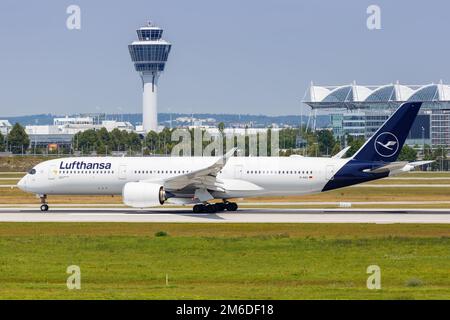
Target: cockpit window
x,y
32,171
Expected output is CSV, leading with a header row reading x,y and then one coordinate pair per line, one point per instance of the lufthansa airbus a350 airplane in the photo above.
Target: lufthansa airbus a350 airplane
x,y
149,182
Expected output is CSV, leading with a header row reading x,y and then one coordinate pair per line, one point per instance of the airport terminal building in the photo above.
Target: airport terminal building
x,y
360,110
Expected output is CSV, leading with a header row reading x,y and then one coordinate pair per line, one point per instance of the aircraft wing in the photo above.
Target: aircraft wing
x,y
204,178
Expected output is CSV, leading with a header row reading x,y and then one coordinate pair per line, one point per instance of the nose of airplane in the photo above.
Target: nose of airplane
x,y
22,184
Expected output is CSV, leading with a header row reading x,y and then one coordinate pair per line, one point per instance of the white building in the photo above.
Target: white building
x,y
63,130
110,125
5,127
74,125
42,129
73,120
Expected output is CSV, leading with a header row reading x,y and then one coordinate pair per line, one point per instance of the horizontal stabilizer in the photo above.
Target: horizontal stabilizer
x,y
387,168
398,167
420,163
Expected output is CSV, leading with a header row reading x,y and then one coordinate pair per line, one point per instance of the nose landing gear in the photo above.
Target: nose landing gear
x,y
44,205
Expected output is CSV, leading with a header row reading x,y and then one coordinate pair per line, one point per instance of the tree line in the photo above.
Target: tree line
x,y
17,140
291,141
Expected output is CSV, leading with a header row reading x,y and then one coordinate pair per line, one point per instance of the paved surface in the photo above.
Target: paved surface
x,y
252,204
242,216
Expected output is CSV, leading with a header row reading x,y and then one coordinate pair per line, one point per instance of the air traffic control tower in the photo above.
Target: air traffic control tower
x,y
149,55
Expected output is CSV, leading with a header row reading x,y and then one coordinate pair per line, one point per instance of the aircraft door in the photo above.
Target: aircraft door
x,y
52,172
330,171
122,172
238,171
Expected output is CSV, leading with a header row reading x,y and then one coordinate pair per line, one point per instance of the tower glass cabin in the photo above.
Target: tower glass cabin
x,y
149,55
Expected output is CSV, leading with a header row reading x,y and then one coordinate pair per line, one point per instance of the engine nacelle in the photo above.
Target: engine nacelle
x,y
143,194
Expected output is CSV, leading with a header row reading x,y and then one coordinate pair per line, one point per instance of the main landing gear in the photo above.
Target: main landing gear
x,y
215,207
44,205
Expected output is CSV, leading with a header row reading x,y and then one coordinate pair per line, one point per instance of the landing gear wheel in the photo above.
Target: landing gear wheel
x,y
211,208
231,206
198,208
221,206
44,205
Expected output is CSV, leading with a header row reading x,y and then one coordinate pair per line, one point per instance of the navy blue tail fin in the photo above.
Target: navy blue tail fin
x,y
386,144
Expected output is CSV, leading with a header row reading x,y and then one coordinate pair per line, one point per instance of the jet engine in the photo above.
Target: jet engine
x,y
143,194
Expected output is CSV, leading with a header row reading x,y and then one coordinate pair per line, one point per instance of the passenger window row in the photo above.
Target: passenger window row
x,y
86,172
278,172
161,171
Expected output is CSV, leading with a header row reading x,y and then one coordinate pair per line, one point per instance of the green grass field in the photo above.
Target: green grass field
x,y
9,181
11,175
21,163
232,261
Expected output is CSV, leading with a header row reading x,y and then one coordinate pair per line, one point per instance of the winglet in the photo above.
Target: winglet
x,y
341,153
229,154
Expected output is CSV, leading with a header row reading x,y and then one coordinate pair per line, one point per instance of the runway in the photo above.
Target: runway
x,y
257,215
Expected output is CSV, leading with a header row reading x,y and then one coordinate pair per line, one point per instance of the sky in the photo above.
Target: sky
x,y
233,56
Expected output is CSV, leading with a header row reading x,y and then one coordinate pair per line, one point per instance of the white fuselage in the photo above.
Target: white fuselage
x,y
242,176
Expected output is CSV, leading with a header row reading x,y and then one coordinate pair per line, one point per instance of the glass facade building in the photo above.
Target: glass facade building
x,y
360,110
353,124
357,124
440,125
